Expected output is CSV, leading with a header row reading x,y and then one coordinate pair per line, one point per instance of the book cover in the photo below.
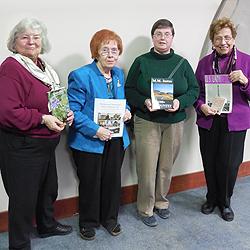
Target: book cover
x,y
58,103
162,93
109,114
218,104
219,86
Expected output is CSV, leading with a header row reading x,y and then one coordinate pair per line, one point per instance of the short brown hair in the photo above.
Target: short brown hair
x,y
104,36
162,23
219,24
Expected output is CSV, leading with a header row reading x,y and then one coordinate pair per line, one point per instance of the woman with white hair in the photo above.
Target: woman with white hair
x,y
29,135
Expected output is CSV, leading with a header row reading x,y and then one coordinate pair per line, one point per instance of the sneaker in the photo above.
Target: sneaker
x,y
162,213
149,221
87,233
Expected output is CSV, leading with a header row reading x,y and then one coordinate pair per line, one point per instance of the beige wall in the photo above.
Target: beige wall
x,y
70,26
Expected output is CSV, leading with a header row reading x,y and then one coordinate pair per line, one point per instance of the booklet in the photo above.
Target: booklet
x,y
58,103
109,114
219,86
162,93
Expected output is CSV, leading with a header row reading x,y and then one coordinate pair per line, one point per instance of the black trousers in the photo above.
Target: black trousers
x,y
28,170
99,184
222,153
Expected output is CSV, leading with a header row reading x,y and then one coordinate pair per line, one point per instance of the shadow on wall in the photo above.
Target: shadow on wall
x,y
65,162
135,48
69,63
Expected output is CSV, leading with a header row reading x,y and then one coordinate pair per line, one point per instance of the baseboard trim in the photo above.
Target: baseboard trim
x,y
68,207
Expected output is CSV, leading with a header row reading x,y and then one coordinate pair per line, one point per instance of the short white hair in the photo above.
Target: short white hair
x,y
22,26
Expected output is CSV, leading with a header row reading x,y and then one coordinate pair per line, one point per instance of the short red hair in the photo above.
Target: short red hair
x,y
104,36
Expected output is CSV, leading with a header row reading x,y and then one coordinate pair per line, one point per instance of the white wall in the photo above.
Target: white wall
x,y
70,27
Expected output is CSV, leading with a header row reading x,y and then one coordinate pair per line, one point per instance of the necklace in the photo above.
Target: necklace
x,y
107,76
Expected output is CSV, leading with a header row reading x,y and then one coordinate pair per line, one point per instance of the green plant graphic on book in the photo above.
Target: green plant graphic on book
x,y
58,103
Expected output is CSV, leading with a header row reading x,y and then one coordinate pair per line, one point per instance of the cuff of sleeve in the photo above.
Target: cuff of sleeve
x,y
245,87
42,119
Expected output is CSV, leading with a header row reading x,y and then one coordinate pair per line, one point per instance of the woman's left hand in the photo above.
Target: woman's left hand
x,y
176,105
70,117
238,76
127,115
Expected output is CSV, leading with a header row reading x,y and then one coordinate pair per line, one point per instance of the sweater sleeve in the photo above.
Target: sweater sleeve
x,y
134,97
13,112
77,101
192,92
200,78
246,89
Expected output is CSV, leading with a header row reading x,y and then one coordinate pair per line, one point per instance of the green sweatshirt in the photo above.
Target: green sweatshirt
x,y
138,85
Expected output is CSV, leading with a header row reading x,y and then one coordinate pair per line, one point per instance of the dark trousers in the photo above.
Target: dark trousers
x,y
222,154
28,170
99,184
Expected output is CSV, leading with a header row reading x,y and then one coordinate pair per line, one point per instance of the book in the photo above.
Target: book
x,y
219,86
162,93
58,103
109,114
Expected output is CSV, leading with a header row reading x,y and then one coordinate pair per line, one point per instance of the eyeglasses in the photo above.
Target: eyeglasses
x,y
219,39
106,51
159,35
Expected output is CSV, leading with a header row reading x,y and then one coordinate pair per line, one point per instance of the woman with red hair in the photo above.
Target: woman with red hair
x,y
98,156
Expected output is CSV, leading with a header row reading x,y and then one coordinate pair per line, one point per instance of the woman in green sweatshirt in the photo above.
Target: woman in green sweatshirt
x,y
158,130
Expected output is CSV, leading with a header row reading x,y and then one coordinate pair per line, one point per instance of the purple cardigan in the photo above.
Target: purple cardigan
x,y
23,101
239,119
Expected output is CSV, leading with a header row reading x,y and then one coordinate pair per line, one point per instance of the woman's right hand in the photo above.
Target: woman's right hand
x,y
148,104
53,123
207,110
103,134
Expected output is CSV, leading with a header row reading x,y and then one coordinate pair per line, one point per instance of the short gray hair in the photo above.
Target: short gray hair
x,y
22,26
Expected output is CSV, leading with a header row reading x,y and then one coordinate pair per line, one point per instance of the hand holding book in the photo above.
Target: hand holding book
x,y
207,110
238,76
175,107
53,123
148,104
103,134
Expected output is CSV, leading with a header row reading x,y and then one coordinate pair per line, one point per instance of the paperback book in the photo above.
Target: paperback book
x,y
58,103
218,93
109,114
162,93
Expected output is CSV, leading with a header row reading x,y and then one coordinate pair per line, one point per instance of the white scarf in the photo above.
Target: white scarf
x,y
49,77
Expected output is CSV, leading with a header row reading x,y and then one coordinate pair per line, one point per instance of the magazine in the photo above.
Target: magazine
x,y
219,86
162,93
58,103
109,114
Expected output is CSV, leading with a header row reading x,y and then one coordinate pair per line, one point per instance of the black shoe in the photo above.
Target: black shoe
x,y
207,207
114,230
163,213
227,213
58,230
87,233
149,221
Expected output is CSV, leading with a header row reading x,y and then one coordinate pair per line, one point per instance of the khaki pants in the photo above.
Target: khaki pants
x,y
157,146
